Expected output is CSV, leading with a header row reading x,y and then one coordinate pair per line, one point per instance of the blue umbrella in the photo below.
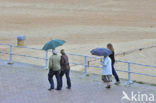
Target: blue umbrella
x,y
101,52
53,44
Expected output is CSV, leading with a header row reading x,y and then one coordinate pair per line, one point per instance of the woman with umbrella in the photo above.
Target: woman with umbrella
x,y
106,64
110,46
107,71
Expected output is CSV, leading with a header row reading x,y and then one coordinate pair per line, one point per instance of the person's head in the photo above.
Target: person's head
x,y
62,52
104,57
54,52
110,46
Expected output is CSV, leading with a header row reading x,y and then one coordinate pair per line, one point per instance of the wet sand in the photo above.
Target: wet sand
x,y
84,25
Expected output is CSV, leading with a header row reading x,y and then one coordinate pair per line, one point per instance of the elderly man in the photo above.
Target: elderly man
x,y
54,69
65,69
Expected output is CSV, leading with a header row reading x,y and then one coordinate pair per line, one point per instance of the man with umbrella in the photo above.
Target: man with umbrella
x,y
54,69
54,62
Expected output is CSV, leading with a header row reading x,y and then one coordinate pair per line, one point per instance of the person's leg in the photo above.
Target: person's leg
x,y
50,78
114,73
108,85
57,75
108,79
68,79
61,76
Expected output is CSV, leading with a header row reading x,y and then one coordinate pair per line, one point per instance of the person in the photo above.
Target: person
x,y
107,71
54,69
110,46
65,69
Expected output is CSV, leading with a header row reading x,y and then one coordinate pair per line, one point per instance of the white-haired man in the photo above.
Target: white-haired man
x,y
54,69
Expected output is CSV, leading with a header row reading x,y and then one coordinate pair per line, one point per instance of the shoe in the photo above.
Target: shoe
x,y
117,83
50,89
68,87
57,89
108,86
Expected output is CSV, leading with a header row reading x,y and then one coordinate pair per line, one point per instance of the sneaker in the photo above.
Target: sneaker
x,y
57,89
68,87
117,83
50,89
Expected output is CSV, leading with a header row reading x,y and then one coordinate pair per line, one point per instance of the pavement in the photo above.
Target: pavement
x,y
26,83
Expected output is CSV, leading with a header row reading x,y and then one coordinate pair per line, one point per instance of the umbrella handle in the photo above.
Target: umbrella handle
x,y
101,60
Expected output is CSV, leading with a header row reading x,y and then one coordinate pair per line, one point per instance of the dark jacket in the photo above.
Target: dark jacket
x,y
112,57
64,62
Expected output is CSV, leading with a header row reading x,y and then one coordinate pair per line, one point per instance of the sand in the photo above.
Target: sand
x,y
84,24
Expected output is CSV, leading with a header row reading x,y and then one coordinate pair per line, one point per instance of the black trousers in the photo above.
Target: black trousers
x,y
50,78
67,73
115,73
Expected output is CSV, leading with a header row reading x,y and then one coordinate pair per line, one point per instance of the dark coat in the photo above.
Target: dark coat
x,y
112,57
64,62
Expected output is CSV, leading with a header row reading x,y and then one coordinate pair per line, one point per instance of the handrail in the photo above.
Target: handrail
x,y
3,52
86,61
136,63
4,44
27,47
70,54
28,56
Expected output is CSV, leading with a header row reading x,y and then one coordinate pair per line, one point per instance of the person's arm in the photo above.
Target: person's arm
x,y
63,61
105,62
50,63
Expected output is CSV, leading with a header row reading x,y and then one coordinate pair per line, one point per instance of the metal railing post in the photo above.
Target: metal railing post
x,y
129,73
46,60
85,65
10,57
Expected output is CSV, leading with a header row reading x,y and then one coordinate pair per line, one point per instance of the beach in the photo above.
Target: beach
x,y
84,25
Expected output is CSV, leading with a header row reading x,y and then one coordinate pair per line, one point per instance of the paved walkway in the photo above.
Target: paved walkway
x,y
23,83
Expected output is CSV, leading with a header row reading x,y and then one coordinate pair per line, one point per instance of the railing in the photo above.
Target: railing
x,y
85,64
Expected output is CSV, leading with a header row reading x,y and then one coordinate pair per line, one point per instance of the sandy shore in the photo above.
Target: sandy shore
x,y
83,24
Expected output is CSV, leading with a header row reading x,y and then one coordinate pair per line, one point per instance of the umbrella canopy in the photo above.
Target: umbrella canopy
x,y
101,52
53,44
